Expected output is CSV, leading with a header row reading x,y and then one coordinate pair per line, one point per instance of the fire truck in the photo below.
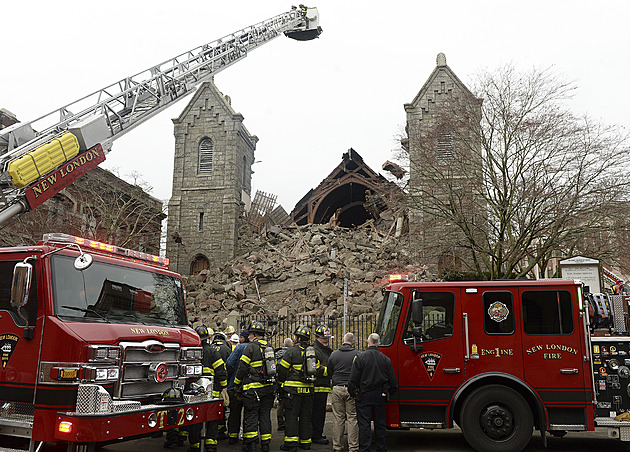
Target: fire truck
x,y
95,345
500,358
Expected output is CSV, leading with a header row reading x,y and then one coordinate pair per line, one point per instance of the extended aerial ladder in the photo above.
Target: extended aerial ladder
x,y
41,157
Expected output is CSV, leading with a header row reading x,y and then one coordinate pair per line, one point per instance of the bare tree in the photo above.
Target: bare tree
x,y
121,213
99,206
516,173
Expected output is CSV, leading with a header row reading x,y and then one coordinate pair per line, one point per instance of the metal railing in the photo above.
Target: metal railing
x,y
278,330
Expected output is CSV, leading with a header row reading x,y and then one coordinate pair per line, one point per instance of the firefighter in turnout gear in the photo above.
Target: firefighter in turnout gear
x,y
296,375
220,344
322,384
255,381
213,365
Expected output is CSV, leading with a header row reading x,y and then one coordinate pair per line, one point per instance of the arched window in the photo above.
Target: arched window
x,y
206,154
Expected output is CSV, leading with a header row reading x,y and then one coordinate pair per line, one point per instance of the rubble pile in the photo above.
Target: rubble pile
x,y
300,270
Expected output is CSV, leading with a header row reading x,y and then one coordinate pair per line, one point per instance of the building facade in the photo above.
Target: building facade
x,y
445,167
214,154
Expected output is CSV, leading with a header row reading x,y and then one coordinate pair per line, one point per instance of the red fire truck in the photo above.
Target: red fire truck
x,y
500,358
95,346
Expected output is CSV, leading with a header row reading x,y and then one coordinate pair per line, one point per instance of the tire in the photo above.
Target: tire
x,y
496,418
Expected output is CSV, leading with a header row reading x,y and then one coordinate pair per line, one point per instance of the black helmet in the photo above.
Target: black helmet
x,y
323,331
173,395
204,332
220,335
256,328
303,332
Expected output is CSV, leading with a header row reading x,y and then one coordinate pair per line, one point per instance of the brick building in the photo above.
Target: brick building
x,y
212,172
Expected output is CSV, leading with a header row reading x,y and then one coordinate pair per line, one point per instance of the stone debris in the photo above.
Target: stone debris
x,y
296,271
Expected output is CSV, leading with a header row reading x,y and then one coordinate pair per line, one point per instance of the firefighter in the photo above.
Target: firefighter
x,y
255,382
297,392
220,344
212,365
322,384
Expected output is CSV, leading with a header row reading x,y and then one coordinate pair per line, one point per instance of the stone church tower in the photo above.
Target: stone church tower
x,y
445,166
214,154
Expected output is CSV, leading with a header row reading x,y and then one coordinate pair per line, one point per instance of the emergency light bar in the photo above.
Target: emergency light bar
x,y
100,246
398,278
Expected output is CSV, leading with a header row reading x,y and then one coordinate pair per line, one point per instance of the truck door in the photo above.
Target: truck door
x,y
494,339
430,372
19,351
553,355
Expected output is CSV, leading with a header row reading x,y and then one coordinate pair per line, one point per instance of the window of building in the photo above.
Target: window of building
x,y
547,312
244,172
444,146
201,221
498,308
206,155
438,312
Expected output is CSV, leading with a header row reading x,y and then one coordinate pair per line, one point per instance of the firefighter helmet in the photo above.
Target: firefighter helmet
x,y
204,332
172,395
323,331
303,332
230,330
220,334
256,328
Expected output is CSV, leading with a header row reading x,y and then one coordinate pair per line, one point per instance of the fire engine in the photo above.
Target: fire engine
x,y
95,345
500,358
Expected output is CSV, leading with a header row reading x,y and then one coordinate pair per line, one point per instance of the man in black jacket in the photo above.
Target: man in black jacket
x,y
371,379
343,406
322,384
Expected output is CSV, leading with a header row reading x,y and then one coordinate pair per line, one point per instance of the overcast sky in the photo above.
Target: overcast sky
x,y
307,102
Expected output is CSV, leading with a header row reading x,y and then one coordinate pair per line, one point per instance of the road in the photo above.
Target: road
x,y
411,440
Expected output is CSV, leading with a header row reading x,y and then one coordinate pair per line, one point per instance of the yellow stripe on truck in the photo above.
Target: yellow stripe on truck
x,y
43,159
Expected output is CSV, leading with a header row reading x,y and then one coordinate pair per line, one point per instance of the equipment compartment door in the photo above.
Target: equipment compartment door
x,y
553,354
430,372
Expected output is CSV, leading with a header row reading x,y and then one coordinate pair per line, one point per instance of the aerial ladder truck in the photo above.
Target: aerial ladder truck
x,y
95,343
41,157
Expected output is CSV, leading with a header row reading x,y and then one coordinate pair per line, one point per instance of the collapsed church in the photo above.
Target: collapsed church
x,y
213,158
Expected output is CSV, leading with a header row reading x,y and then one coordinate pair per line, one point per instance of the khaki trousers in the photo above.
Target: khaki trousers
x,y
345,418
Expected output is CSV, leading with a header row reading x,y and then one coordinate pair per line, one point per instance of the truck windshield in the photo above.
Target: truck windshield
x,y
116,294
388,317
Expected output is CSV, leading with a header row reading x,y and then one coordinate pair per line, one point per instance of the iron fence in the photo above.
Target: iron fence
x,y
279,329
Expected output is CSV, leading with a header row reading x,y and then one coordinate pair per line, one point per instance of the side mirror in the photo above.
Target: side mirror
x,y
21,284
416,315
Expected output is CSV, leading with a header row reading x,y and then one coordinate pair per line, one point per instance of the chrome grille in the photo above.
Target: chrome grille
x,y
136,378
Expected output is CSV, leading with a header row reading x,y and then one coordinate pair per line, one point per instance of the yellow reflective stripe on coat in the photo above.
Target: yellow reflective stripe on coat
x,y
255,385
297,384
217,363
323,389
285,364
245,358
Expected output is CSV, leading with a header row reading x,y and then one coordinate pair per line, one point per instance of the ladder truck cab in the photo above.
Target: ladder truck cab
x,y
500,358
95,345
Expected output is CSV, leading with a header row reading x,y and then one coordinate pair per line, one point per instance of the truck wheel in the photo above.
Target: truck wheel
x,y
496,419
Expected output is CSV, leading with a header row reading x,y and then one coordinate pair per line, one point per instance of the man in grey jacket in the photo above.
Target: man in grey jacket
x,y
343,406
